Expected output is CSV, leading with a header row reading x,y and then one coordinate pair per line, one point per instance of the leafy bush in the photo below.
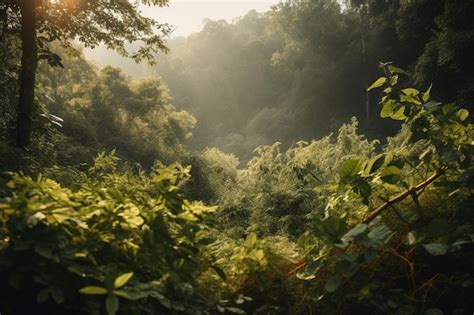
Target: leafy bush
x,y
121,236
404,237
276,191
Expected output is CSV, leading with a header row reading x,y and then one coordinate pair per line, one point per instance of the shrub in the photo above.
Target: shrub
x,y
121,236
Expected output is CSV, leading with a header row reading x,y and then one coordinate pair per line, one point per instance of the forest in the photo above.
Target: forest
x,y
311,159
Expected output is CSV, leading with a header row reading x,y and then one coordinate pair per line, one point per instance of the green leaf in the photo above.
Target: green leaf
x,y
387,90
131,294
394,69
257,255
235,310
178,263
379,234
410,92
411,238
394,80
387,108
121,280
362,188
426,95
111,304
93,290
462,114
432,105
350,168
391,174
45,250
332,284
378,83
449,108
399,114
250,240
308,272
436,249
354,232
332,229
374,164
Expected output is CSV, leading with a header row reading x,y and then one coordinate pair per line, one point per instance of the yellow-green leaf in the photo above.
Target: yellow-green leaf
x,y
250,240
390,174
257,255
426,95
411,91
399,114
463,114
122,279
394,69
387,108
350,168
93,290
378,83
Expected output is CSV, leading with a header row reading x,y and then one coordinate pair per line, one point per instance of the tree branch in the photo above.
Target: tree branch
x,y
402,196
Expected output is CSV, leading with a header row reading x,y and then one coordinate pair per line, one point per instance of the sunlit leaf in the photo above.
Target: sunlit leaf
x,y
390,174
375,164
410,91
251,240
378,83
426,95
258,255
387,109
121,280
462,114
399,114
411,238
350,168
93,290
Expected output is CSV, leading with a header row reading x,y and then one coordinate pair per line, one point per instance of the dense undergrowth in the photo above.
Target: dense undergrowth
x,y
339,225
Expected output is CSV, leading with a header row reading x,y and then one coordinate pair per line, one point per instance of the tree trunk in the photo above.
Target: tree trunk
x,y
29,62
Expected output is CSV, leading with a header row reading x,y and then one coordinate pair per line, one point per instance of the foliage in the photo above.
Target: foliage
x,y
300,70
276,192
93,23
83,110
339,225
342,254
56,242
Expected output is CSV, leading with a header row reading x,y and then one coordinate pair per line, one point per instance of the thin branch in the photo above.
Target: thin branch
x,y
402,196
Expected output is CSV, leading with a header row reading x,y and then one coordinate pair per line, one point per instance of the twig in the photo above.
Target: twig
x,y
402,196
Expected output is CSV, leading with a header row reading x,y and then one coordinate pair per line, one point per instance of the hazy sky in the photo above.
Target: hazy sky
x,y
187,15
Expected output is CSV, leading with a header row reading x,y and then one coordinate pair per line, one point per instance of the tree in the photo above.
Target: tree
x,y
92,22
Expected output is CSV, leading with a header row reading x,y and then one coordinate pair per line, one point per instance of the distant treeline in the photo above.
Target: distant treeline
x,y
300,70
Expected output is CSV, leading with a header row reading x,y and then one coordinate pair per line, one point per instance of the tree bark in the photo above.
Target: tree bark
x,y
29,62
